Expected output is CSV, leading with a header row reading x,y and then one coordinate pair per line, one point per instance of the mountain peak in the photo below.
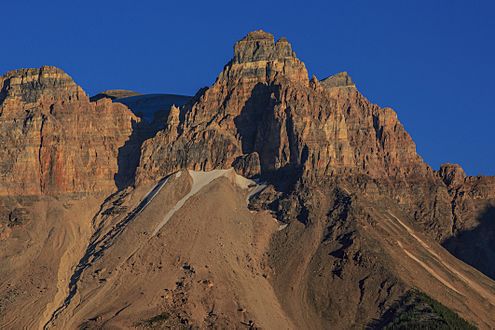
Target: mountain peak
x,y
261,46
452,174
32,83
263,108
258,35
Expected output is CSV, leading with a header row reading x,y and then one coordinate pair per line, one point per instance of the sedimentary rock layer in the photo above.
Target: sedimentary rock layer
x,y
54,140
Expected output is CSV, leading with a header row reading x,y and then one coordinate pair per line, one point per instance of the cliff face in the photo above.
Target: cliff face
x,y
473,217
264,116
54,140
221,124
264,103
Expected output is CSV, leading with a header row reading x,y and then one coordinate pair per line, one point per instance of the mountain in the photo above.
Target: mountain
x,y
267,200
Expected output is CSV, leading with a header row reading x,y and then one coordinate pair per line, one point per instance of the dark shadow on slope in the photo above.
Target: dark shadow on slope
x,y
259,131
100,243
253,113
129,155
476,247
153,109
3,90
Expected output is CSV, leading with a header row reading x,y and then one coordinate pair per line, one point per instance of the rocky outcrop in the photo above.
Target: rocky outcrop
x,y
54,140
473,217
248,165
29,86
341,79
471,195
452,175
260,46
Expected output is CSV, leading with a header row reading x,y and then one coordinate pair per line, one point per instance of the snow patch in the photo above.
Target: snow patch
x,y
200,180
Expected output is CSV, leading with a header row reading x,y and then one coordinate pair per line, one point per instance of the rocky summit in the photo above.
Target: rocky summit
x,y
267,200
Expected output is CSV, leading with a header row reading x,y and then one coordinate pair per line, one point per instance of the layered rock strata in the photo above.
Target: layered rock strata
x,y
54,140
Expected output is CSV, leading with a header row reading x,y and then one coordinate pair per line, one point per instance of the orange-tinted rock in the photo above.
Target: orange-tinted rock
x,y
54,140
264,103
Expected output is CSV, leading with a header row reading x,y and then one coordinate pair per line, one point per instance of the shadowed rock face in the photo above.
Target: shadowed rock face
x,y
152,106
54,140
473,217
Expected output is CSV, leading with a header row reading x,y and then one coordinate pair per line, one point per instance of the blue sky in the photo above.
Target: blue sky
x,y
432,61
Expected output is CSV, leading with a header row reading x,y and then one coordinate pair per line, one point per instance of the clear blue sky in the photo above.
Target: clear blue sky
x,y
432,61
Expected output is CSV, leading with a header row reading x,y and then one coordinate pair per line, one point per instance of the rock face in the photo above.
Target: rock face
x,y
473,211
263,103
54,140
221,124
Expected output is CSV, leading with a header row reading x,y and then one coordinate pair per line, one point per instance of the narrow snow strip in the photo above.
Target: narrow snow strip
x,y
200,180
254,190
242,182
95,249
411,232
428,269
152,194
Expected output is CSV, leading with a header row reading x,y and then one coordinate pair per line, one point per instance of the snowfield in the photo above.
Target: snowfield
x,y
201,179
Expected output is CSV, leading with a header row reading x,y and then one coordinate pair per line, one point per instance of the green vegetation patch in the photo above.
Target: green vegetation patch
x,y
416,310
